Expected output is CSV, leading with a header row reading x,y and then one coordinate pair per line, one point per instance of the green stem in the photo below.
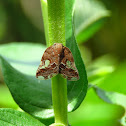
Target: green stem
x,y
55,33
56,18
59,97
45,19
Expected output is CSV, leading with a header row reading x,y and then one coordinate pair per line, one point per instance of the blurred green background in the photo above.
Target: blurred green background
x,y
21,21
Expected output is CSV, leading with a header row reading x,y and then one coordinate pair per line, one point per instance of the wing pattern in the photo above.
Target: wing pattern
x,y
57,59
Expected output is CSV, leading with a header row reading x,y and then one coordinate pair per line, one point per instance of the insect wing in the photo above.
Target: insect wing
x,y
47,68
67,66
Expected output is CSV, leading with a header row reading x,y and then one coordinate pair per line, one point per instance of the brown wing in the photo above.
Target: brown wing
x,y
67,66
49,66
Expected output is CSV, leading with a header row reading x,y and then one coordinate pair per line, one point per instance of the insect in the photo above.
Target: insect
x,y
57,59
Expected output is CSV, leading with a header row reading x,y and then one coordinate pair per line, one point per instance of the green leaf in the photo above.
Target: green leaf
x,y
76,89
69,5
96,75
10,117
116,80
5,98
101,68
105,114
112,98
31,95
89,16
25,57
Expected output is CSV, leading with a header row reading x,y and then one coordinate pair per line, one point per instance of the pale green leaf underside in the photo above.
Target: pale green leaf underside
x,y
25,57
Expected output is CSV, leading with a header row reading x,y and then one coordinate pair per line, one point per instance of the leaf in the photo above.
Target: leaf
x,y
69,6
105,114
10,117
96,75
112,98
25,57
116,80
5,98
76,89
89,16
31,95
101,68
81,85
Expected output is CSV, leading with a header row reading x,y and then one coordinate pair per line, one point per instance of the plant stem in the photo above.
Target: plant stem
x,y
45,19
56,18
59,97
55,33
